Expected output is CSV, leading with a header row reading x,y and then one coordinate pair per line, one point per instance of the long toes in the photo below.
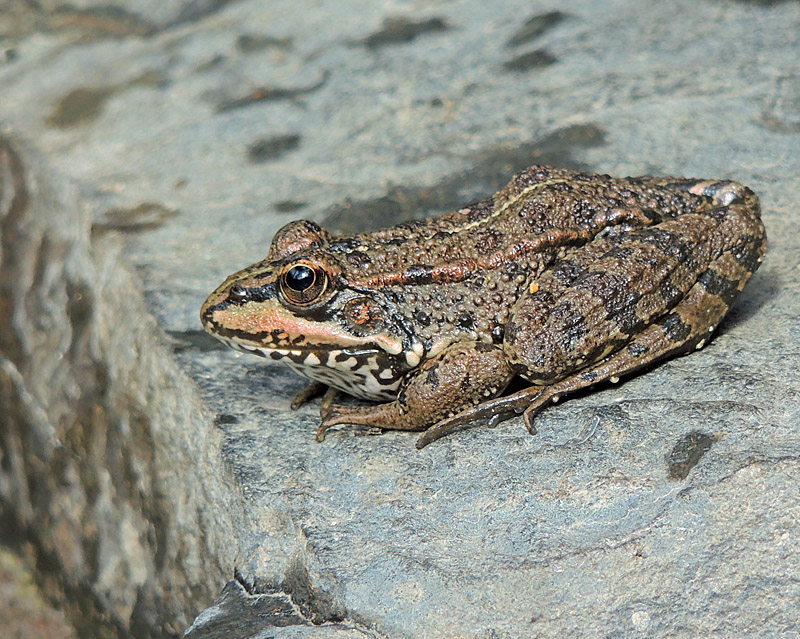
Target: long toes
x,y
528,417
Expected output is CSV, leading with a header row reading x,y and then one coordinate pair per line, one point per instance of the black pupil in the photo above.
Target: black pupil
x,y
299,278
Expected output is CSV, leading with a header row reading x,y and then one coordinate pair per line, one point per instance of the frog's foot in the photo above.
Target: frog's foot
x,y
463,375
388,416
495,410
314,389
721,193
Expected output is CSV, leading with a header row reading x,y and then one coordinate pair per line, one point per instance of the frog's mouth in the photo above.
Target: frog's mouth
x,y
295,351
274,332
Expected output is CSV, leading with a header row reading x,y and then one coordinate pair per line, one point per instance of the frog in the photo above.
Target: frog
x,y
563,280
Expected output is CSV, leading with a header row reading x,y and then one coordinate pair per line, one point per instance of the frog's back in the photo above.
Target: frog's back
x,y
518,220
459,274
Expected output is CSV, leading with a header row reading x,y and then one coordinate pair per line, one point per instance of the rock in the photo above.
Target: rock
x,y
108,459
148,466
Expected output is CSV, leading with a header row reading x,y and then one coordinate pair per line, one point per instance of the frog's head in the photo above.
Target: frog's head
x,y
296,306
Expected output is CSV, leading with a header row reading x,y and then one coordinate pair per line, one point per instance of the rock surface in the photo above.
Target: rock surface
x,y
151,148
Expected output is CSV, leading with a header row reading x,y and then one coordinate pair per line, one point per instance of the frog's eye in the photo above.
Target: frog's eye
x,y
303,283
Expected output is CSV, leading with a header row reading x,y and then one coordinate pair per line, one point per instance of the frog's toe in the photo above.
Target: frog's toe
x,y
388,416
332,415
314,389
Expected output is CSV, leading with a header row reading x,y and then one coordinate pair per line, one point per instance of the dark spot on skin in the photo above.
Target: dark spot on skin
x,y
482,347
79,106
627,320
668,243
272,148
465,321
275,355
686,453
571,324
637,350
144,217
669,292
538,59
623,252
432,379
268,94
224,418
239,293
511,332
746,252
544,297
288,206
422,318
410,225
536,26
714,282
567,272
342,245
399,30
513,268
359,259
242,295
651,215
717,284
589,376
674,328
466,383
418,274
498,333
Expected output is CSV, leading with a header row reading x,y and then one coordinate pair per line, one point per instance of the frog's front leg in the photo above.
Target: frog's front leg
x,y
463,375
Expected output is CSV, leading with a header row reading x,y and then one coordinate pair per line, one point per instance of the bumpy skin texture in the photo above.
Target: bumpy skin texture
x,y
562,278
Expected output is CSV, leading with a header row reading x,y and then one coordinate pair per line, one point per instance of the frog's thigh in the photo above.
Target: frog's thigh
x,y
687,327
464,375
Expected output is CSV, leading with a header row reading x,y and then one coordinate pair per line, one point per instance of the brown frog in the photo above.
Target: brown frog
x,y
562,278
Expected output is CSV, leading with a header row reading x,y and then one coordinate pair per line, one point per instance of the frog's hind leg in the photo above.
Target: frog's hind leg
x,y
686,327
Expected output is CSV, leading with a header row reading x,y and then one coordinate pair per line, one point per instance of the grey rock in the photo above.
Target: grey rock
x,y
108,462
148,465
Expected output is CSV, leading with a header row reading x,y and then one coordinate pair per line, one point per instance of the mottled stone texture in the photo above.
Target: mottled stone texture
x,y
152,148
107,459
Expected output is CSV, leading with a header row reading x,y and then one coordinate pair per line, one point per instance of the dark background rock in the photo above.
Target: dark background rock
x,y
164,144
